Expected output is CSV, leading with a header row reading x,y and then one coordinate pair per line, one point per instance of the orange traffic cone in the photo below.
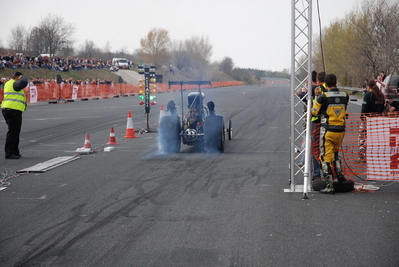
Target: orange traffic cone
x,y
129,127
112,139
86,147
161,114
87,141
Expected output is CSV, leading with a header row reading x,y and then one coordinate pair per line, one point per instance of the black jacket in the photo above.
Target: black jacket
x,y
371,105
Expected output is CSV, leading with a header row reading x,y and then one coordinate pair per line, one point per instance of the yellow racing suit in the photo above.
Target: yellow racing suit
x,y
331,108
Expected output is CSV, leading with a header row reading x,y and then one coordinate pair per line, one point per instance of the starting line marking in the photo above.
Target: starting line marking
x,y
49,164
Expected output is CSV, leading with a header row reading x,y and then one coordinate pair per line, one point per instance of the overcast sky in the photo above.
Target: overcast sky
x,y
254,33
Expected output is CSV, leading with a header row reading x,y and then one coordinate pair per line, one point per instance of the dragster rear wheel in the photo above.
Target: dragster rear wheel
x,y
169,134
230,130
214,134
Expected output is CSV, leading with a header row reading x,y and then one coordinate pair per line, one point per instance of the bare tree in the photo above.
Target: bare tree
x,y
363,43
36,42
66,51
180,55
122,52
107,50
155,46
17,38
200,51
55,33
227,66
107,47
88,50
246,75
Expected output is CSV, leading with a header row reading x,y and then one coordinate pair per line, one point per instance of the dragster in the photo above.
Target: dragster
x,y
199,126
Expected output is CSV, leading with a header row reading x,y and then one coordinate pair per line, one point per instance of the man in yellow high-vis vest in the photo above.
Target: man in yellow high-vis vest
x,y
14,103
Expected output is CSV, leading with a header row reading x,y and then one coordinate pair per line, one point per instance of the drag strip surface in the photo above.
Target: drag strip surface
x,y
137,207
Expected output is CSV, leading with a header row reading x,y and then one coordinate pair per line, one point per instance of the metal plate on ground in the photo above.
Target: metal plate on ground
x,y
49,164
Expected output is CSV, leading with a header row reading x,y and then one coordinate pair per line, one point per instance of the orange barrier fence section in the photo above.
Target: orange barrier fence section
x,y
53,91
277,82
370,149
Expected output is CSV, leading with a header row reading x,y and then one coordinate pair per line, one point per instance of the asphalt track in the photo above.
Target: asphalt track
x,y
136,207
128,76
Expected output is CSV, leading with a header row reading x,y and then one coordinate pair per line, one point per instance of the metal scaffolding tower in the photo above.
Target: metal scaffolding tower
x,y
301,73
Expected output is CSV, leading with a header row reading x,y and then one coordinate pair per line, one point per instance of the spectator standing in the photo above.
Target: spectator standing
x,y
320,81
317,90
373,104
380,84
382,74
373,100
315,134
331,107
14,103
364,87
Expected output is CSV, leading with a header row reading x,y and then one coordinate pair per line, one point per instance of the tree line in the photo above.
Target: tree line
x,y
54,36
361,44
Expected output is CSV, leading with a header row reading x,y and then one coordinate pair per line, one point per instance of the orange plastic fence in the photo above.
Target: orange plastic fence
x,y
277,82
52,91
370,149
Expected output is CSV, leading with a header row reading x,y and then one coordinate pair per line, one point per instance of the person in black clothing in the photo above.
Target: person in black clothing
x,y
373,105
390,105
13,105
315,126
373,100
364,87
320,81
211,108
302,93
383,76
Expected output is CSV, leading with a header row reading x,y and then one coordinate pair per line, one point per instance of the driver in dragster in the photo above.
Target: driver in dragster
x,y
171,106
193,123
211,107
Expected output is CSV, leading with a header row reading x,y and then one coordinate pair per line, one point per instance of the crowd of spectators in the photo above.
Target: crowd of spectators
x,y
69,81
64,64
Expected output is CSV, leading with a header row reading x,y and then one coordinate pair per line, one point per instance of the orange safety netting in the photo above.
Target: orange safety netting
x,y
370,149
53,91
